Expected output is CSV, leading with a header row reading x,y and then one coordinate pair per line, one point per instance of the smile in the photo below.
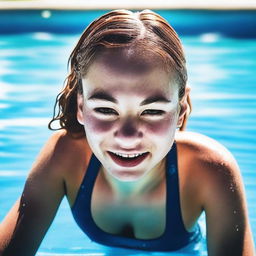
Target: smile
x,y
128,160
128,156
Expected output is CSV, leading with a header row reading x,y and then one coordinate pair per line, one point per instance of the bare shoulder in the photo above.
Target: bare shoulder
x,y
62,163
204,150
211,166
66,159
60,153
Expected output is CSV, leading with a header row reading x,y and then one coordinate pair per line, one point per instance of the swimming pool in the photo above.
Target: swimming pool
x,y
33,57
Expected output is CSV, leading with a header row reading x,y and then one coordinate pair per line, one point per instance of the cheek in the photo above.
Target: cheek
x,y
163,127
95,125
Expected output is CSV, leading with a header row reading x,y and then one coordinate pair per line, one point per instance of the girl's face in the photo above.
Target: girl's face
x,y
128,107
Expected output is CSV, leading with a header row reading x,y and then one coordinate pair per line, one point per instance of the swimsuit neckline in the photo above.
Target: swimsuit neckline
x,y
96,172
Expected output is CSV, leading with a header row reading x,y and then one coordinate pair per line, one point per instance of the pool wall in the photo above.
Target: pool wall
x,y
232,23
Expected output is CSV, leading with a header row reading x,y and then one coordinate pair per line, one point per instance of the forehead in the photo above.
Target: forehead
x,y
129,60
130,71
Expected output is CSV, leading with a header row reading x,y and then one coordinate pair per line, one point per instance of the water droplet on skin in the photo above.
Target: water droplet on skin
x,y
232,188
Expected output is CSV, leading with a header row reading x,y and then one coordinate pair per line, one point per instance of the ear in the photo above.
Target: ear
x,y
183,107
80,107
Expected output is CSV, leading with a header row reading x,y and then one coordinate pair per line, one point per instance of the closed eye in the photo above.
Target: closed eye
x,y
153,112
105,111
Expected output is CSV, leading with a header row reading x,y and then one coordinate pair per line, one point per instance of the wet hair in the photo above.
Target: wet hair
x,y
145,30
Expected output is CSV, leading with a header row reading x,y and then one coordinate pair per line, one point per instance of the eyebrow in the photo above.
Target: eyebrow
x,y
102,95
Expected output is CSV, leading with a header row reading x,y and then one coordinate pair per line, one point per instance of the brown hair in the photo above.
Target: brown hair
x,y
117,29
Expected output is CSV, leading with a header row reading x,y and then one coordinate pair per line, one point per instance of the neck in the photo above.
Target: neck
x,y
146,184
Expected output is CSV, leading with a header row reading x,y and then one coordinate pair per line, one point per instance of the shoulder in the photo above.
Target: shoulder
x,y
60,153
207,164
212,182
203,150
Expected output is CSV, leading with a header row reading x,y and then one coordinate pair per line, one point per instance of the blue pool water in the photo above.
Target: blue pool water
x,y
32,70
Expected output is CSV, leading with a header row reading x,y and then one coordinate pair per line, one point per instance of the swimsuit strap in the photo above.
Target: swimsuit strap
x,y
80,208
174,220
175,226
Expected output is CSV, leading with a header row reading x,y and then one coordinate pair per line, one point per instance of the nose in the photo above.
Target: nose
x,y
128,135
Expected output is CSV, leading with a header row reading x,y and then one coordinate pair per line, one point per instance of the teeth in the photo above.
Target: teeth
x,y
128,156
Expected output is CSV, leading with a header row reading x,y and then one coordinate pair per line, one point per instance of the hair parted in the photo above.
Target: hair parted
x,y
116,29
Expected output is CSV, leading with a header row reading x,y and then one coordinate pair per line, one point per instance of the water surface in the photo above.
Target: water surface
x,y
33,68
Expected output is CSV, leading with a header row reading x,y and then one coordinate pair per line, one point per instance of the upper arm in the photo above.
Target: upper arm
x,y
25,225
228,230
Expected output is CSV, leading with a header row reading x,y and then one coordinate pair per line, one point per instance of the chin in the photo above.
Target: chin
x,y
128,176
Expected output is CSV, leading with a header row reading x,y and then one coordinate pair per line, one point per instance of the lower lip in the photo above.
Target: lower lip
x,y
129,162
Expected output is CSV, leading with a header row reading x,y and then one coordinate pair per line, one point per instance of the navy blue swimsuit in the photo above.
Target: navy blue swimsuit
x,y
175,235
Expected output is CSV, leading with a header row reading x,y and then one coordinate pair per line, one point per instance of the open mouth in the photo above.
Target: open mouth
x,y
128,161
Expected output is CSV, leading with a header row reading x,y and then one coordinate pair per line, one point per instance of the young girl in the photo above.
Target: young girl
x,y
133,177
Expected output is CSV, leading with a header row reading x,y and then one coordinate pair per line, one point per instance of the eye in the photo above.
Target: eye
x,y
153,112
105,111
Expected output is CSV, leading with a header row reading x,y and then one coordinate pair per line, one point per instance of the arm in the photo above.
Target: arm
x,y
24,227
228,230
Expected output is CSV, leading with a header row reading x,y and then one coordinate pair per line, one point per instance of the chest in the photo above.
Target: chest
x,y
141,218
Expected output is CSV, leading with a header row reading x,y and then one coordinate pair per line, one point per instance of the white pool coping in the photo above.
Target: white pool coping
x,y
128,4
